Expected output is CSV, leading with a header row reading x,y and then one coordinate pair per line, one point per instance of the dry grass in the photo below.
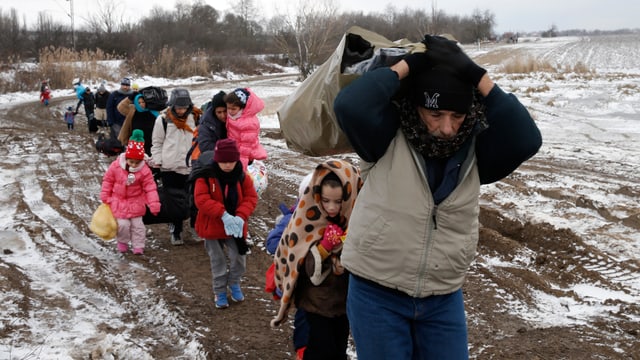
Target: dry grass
x,y
539,89
628,89
169,63
60,66
580,68
526,65
529,64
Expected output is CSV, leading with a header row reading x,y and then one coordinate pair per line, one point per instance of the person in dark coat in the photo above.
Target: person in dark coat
x,y
213,123
101,97
89,109
114,117
211,128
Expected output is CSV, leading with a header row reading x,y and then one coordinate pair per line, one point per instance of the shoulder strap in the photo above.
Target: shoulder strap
x,y
187,159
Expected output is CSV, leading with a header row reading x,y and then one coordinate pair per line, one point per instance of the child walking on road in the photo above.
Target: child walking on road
x,y
45,95
128,187
225,201
307,260
70,118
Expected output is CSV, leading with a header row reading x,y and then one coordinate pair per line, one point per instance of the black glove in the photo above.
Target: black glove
x,y
418,62
444,51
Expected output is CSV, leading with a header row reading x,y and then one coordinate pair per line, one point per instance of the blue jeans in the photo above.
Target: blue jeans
x,y
388,324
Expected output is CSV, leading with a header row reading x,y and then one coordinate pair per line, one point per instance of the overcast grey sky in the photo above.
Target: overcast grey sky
x,y
510,15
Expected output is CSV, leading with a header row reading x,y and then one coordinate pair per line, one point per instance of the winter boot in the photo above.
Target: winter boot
x,y
138,251
221,300
236,293
175,238
123,247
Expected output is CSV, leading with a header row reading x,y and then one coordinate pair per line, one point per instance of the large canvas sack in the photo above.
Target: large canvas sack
x,y
307,120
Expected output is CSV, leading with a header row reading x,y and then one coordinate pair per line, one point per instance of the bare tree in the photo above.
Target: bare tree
x,y
303,34
109,17
11,36
481,24
248,12
49,33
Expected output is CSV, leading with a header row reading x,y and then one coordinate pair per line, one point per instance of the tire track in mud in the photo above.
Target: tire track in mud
x,y
67,282
540,271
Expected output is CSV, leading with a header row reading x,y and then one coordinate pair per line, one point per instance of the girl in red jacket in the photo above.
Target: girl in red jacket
x,y
225,201
128,187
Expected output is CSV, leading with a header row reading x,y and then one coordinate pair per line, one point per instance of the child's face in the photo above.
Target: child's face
x,y
133,162
227,166
331,198
233,109
142,103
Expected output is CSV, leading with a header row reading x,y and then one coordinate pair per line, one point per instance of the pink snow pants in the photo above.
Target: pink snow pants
x,y
132,230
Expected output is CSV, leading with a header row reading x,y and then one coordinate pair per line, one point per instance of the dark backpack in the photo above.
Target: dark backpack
x,y
155,97
109,146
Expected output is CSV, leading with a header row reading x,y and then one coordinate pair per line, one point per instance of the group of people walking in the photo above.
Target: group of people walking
x,y
379,251
152,176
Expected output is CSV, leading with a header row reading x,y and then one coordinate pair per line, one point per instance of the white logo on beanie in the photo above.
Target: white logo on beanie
x,y
241,95
431,102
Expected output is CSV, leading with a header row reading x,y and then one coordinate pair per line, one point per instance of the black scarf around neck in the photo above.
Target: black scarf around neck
x,y
432,147
228,183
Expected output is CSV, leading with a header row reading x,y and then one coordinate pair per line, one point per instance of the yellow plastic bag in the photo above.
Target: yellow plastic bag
x,y
103,223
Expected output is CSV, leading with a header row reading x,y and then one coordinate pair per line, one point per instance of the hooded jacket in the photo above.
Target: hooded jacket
x,y
136,117
245,130
210,130
397,236
129,201
169,147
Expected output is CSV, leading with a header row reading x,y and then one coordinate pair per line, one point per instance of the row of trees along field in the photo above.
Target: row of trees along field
x,y
215,41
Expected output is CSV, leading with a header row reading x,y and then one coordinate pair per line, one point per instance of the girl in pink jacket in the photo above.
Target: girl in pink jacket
x,y
243,125
128,187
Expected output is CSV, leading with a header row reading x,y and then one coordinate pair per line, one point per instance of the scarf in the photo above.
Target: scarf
x,y
228,183
181,121
432,147
141,109
306,227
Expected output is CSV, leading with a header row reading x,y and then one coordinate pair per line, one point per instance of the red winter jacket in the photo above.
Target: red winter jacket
x,y
208,198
